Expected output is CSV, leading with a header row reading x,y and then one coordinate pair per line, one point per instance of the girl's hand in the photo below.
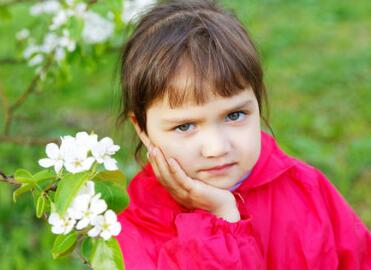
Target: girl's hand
x,y
192,193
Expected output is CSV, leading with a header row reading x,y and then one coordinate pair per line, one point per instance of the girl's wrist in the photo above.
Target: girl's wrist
x,y
229,211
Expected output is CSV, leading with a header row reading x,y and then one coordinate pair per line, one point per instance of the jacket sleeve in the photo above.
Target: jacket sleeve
x,y
202,241
352,238
205,241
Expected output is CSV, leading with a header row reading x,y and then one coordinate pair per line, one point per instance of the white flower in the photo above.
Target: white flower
x,y
59,19
88,188
77,160
133,7
85,209
85,140
80,9
30,51
105,226
96,28
23,34
50,7
51,41
70,2
55,157
59,54
36,59
61,225
102,152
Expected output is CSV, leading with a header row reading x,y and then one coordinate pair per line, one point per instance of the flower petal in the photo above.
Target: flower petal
x,y
58,166
57,230
110,164
94,231
110,217
106,235
54,219
87,163
115,228
46,162
82,223
52,150
98,206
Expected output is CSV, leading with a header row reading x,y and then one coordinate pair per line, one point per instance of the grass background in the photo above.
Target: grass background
x,y
317,61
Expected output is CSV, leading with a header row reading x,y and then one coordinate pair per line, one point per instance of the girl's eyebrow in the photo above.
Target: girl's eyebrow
x,y
183,120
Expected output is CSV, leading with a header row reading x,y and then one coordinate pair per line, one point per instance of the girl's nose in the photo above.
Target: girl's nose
x,y
215,144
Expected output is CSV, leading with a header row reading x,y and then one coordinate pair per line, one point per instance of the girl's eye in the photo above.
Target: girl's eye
x,y
183,127
234,116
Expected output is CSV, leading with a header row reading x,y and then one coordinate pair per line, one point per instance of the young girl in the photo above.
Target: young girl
x,y
217,192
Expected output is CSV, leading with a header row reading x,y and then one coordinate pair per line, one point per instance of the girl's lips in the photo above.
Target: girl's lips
x,y
219,169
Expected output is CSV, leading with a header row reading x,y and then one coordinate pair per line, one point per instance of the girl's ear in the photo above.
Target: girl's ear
x,y
141,134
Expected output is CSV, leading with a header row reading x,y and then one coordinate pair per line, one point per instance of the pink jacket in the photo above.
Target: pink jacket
x,y
291,218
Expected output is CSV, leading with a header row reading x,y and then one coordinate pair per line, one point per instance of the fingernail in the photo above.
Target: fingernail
x,y
153,151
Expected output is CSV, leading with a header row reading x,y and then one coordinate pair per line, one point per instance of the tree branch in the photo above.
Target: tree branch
x,y
8,179
26,141
11,61
31,88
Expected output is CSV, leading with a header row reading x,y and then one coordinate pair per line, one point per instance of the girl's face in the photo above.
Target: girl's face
x,y
224,130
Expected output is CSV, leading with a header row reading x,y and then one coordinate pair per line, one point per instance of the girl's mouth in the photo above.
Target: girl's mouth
x,y
219,169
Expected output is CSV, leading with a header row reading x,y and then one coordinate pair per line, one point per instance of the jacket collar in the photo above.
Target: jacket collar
x,y
272,163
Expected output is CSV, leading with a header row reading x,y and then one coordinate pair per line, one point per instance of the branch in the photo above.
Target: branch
x,y
31,88
11,61
8,179
26,141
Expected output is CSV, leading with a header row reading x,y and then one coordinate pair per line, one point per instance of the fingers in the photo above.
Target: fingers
x,y
179,174
161,170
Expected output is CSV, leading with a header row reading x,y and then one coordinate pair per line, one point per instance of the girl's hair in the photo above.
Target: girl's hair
x,y
172,33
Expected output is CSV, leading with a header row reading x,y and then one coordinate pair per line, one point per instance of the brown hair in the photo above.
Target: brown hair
x,y
223,58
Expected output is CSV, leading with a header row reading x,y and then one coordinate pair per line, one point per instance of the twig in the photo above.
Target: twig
x,y
4,101
84,260
8,179
26,141
11,61
31,88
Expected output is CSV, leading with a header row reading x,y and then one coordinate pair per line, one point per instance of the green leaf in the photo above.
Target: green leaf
x,y
115,196
105,255
116,177
112,186
44,175
63,244
40,206
86,247
22,189
67,189
23,176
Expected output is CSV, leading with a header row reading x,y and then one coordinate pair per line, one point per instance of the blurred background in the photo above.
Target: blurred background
x,y
317,61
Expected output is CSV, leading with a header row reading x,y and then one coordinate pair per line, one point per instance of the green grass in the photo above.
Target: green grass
x,y
317,60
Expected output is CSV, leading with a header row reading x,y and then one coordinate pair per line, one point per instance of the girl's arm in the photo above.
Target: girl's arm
x,y
352,237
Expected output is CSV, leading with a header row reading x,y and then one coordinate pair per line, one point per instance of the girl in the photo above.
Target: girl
x,y
217,192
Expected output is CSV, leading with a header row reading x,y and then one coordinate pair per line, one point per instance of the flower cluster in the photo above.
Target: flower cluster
x,y
96,29
89,211
133,8
78,153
